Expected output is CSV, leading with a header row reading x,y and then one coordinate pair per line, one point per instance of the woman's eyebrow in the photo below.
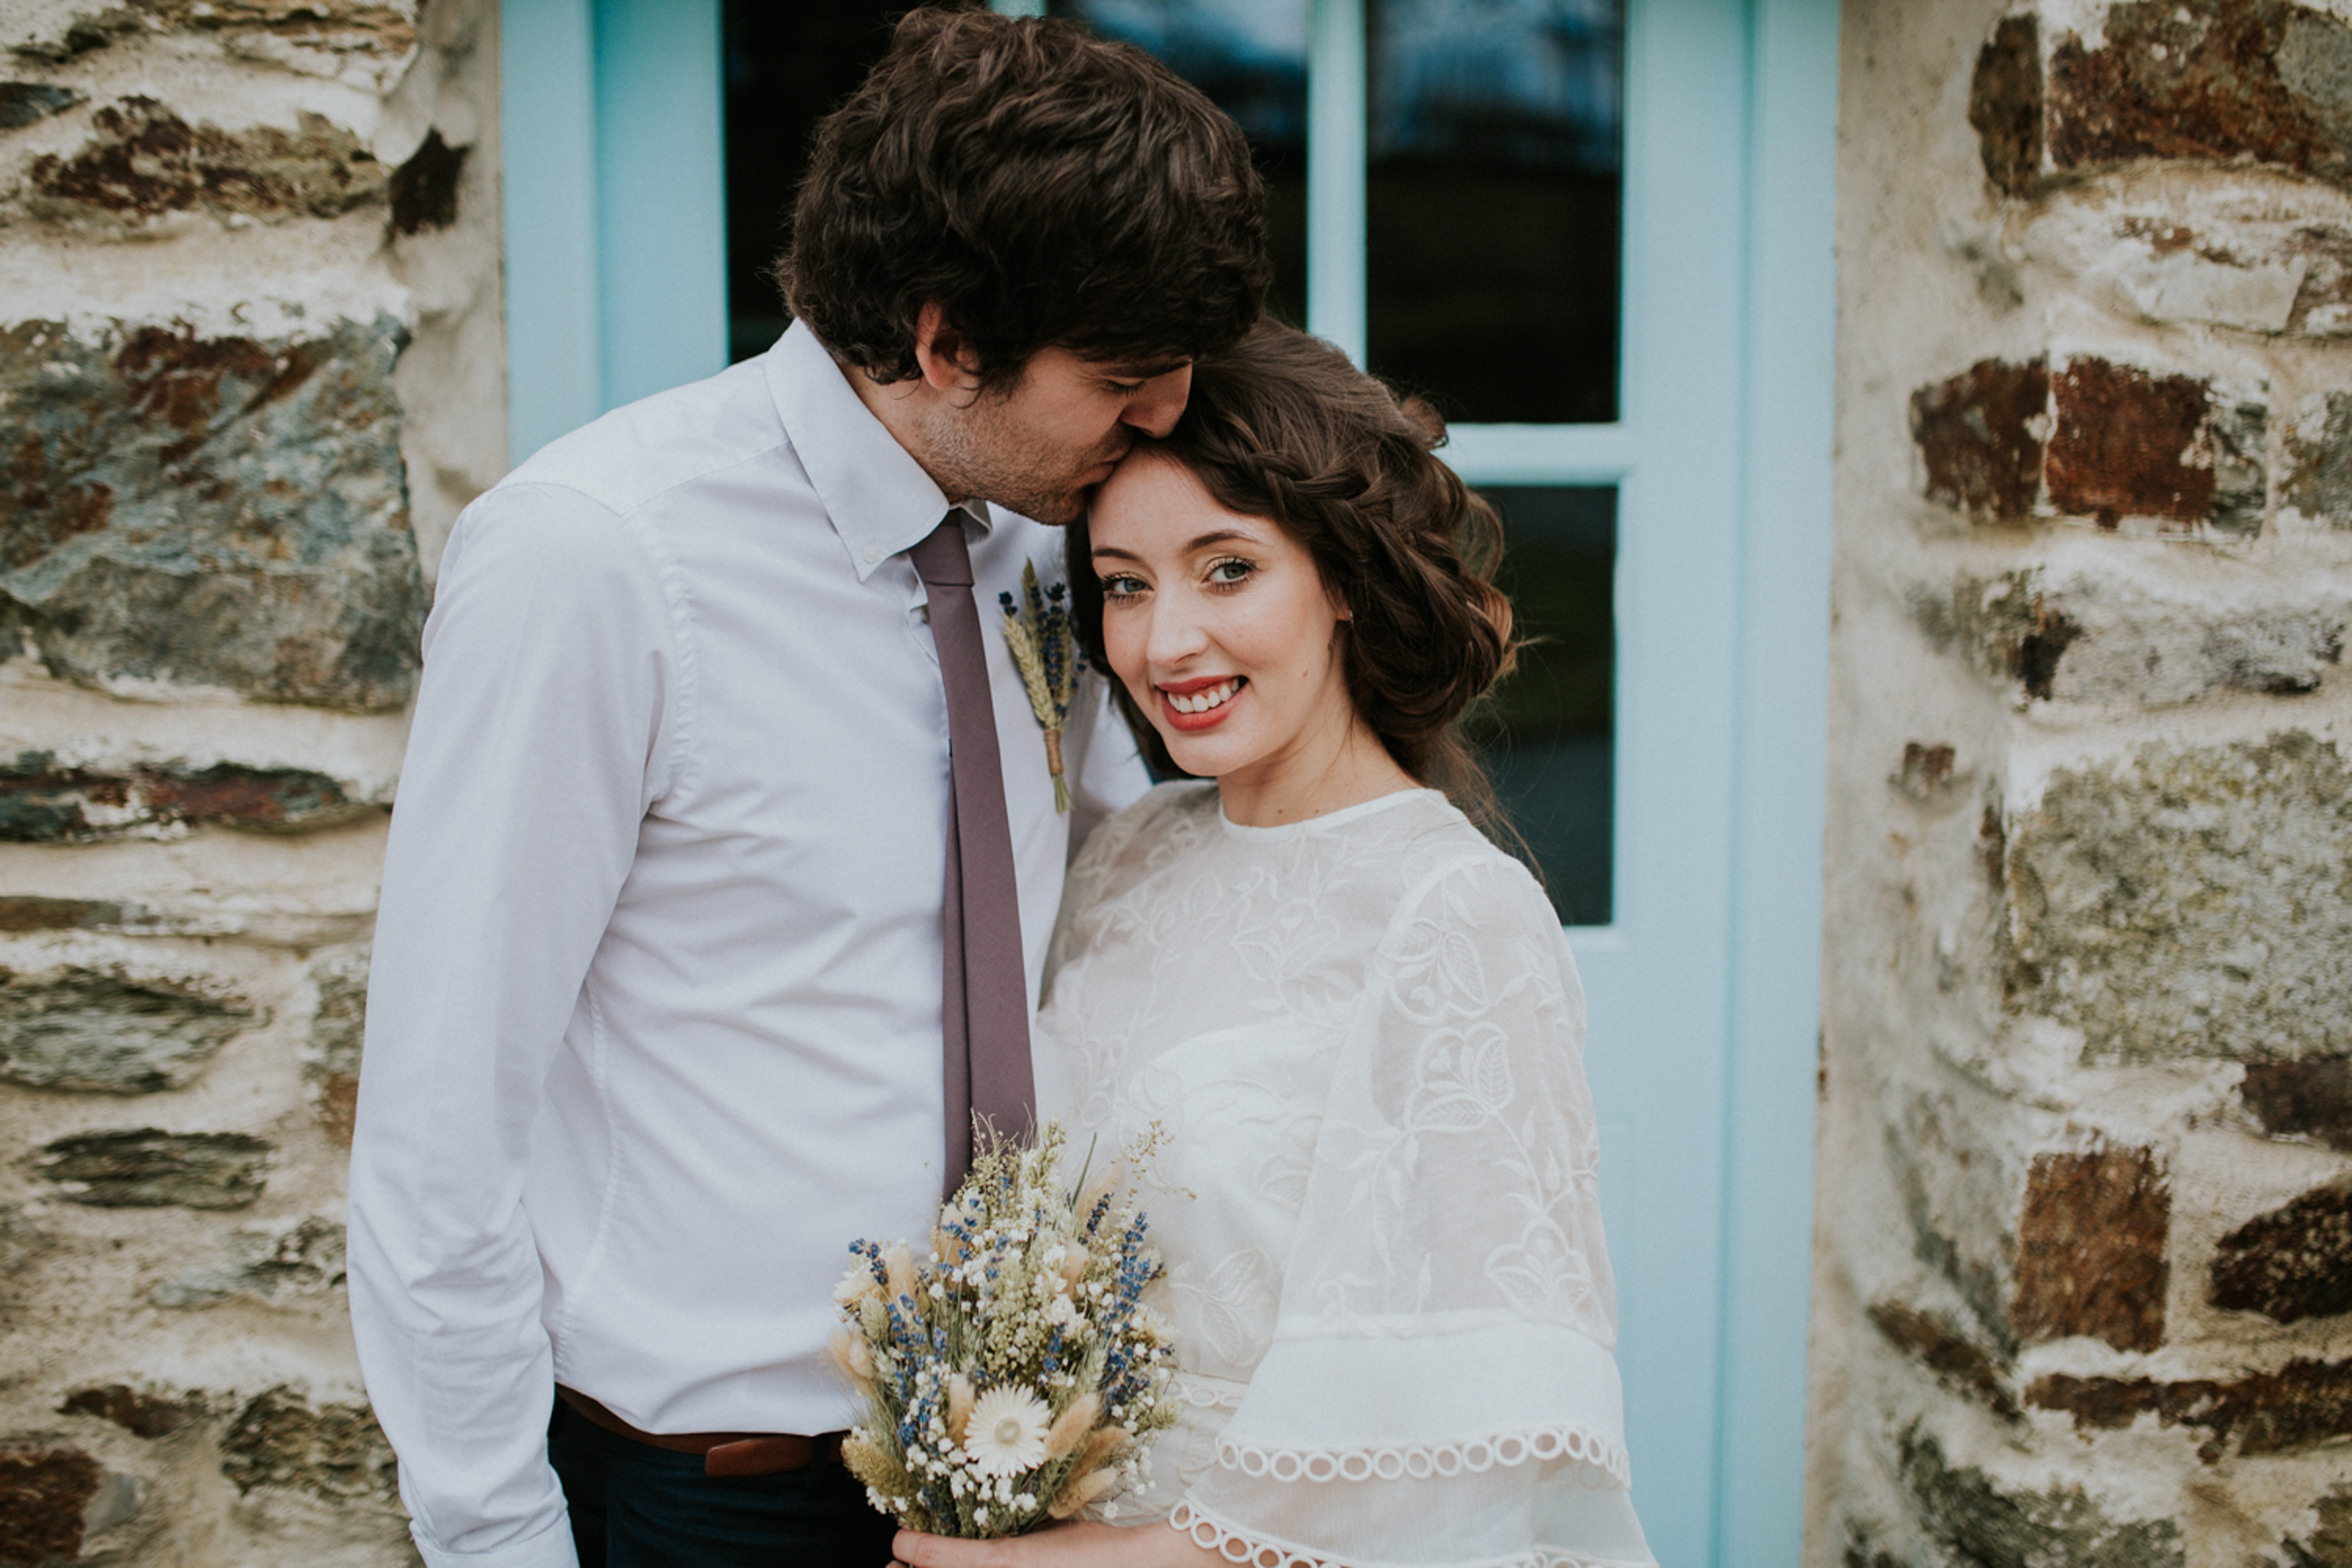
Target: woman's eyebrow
x,y
1102,550
1218,536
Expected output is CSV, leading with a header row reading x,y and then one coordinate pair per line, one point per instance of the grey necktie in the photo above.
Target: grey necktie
x,y
986,1011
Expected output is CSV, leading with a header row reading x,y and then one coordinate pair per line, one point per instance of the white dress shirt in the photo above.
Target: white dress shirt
x,y
654,1021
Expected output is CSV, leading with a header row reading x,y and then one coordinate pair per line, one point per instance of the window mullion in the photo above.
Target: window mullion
x,y
1336,154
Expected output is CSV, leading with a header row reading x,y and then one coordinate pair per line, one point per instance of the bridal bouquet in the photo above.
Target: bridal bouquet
x,y
1013,1379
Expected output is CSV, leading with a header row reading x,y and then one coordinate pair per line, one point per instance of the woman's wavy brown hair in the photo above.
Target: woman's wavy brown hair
x,y
1282,427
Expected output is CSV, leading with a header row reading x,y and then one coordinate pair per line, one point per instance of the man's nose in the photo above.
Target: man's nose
x,y
1160,402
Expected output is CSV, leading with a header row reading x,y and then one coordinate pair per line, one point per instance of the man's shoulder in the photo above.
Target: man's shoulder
x,y
643,450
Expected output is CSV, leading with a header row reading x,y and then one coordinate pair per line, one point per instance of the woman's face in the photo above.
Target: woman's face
x,y
1219,626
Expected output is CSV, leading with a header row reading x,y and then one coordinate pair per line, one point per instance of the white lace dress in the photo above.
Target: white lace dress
x,y
1377,1201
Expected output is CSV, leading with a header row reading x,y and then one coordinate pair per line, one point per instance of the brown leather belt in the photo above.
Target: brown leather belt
x,y
723,1453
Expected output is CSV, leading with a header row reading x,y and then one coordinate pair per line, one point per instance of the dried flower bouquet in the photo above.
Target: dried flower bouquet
x,y
1014,1378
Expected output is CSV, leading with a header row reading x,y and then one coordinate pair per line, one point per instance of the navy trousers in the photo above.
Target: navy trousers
x,y
635,1506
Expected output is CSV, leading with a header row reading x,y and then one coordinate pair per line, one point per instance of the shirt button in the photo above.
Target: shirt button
x,y
873,554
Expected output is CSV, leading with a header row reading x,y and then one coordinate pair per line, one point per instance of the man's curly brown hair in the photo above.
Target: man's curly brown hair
x,y
1044,186
1282,427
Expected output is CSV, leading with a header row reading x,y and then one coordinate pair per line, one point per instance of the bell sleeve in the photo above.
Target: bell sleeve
x,y
1440,1387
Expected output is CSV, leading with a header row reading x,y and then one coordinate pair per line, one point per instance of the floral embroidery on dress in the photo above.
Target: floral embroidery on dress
x,y
1363,1039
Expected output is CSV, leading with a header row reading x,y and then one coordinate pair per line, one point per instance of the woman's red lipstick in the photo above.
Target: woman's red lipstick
x,y
1177,719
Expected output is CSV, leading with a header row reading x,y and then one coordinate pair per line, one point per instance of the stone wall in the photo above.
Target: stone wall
x,y
2084,1259
251,365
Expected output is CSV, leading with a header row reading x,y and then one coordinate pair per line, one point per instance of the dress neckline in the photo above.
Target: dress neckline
x,y
1345,815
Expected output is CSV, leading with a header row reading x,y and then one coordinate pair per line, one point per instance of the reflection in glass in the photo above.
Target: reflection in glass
x,y
1546,736
1249,57
1493,192
786,68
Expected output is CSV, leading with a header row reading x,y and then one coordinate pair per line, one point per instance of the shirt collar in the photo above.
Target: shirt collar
x,y
879,498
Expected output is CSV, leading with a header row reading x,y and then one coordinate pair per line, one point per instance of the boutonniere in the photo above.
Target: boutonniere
x,y
1037,630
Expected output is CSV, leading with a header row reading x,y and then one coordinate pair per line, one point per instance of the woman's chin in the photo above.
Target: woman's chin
x,y
1204,756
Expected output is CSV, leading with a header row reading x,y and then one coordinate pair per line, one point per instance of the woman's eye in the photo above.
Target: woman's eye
x,y
1121,587
1224,574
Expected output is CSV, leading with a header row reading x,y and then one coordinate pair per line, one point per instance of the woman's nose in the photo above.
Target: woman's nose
x,y
1177,633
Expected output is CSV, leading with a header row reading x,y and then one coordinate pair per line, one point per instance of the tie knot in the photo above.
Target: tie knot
x,y
941,557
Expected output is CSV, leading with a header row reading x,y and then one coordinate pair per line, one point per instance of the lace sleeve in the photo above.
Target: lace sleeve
x,y
1440,1387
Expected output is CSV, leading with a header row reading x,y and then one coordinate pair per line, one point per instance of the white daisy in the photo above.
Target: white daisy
x,y
1007,1432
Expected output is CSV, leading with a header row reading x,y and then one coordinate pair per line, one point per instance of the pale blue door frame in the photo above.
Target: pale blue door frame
x,y
1703,987
615,206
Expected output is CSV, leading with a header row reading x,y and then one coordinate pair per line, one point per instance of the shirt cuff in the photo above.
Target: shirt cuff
x,y
551,1548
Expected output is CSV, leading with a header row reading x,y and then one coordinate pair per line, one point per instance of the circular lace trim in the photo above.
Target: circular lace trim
x,y
1201,1394
1214,1536
1419,1461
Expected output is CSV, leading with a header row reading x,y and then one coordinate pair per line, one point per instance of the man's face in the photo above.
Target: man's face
x,y
1040,444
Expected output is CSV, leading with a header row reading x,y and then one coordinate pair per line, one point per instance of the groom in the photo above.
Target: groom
x,y
727,849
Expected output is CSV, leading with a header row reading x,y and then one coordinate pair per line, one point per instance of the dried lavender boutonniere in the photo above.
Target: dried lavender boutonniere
x,y
1037,630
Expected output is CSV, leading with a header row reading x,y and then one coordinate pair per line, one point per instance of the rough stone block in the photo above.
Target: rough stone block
x,y
2292,1263
2128,443
2318,478
1983,1522
2006,628
46,1493
27,912
2091,1248
41,803
107,1032
2112,636
139,1412
272,1263
2005,104
2226,81
2086,436
2328,1543
146,1167
1955,1200
1981,434
24,103
1947,1350
333,1451
2323,306
2189,903
363,40
330,1058
214,512
2303,1403
2302,1100
2181,284
145,161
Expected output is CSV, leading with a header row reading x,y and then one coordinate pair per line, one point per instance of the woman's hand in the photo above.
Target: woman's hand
x,y
1086,1545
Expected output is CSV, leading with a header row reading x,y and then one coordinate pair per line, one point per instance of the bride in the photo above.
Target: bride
x,y
1355,1019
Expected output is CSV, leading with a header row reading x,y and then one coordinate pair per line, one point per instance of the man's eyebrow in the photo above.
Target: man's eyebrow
x,y
1144,370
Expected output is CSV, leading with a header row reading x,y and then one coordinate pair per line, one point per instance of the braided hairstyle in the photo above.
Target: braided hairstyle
x,y
1282,427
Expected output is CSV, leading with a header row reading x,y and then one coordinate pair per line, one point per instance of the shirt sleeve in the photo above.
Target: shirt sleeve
x,y
1442,1387
541,739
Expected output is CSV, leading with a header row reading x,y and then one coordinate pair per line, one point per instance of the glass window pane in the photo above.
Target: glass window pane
x,y
1546,735
787,66
1249,57
1494,197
